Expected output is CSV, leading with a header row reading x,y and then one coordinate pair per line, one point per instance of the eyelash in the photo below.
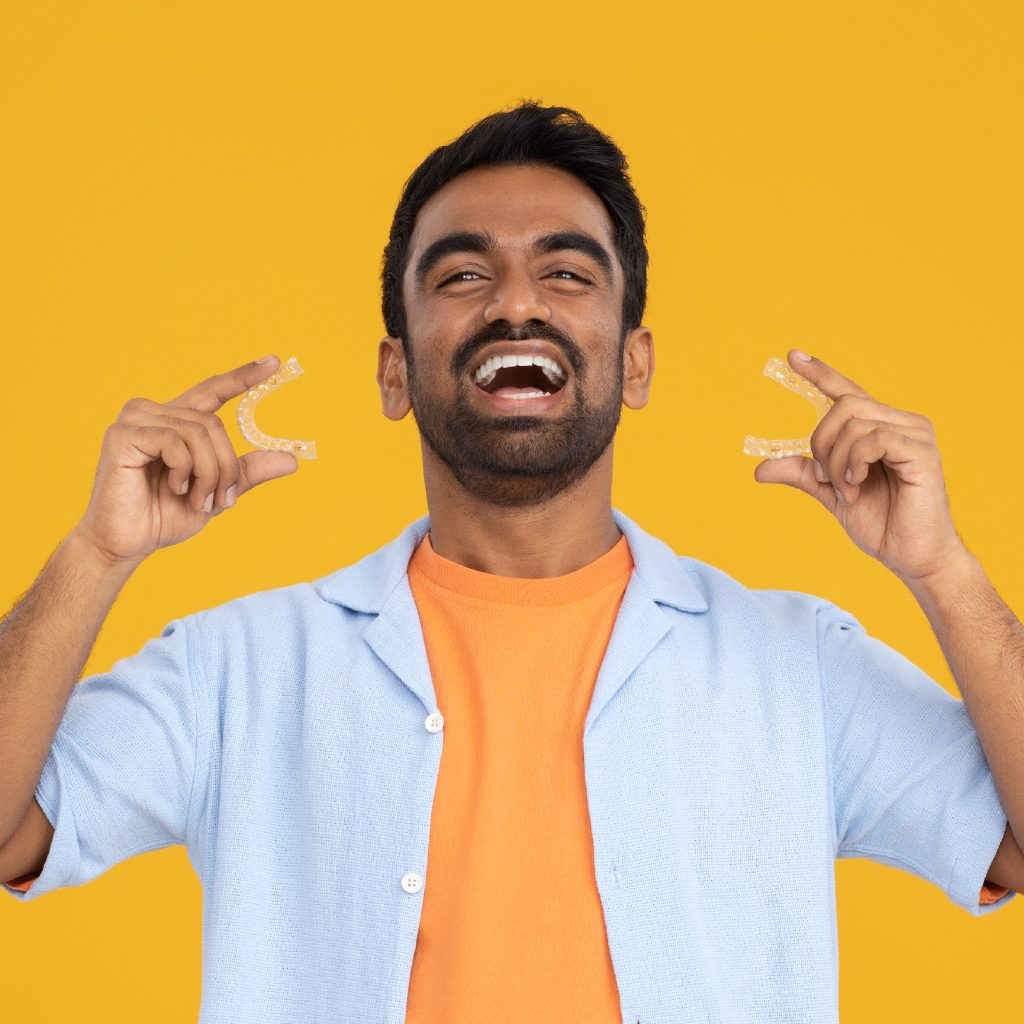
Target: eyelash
x,y
579,277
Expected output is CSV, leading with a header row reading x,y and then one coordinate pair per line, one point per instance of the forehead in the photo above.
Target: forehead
x,y
514,203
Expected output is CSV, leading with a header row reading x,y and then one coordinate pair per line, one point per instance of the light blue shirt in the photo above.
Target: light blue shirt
x,y
738,741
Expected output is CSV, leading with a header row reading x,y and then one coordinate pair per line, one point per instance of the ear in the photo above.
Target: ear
x,y
637,367
392,379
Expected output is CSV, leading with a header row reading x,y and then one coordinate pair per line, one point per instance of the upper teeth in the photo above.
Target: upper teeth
x,y
553,372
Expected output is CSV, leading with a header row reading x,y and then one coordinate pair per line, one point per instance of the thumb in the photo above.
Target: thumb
x,y
796,471
258,467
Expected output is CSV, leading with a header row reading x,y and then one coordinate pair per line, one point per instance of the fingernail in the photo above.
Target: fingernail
x,y
265,359
184,487
229,495
839,497
801,355
820,473
849,476
208,504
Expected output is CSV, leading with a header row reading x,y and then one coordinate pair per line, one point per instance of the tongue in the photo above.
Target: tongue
x,y
515,391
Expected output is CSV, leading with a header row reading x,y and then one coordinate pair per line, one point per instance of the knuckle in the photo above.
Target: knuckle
x,y
180,424
130,409
195,431
113,435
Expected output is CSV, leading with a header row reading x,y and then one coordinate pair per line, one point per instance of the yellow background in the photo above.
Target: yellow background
x,y
188,186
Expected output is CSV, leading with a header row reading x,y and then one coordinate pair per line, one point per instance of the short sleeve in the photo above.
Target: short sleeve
x,y
118,778
911,785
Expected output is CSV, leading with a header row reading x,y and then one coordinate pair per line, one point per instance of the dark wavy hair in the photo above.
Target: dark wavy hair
x,y
526,134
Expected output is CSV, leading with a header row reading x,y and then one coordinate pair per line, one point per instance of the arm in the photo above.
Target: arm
x,y
45,641
984,646
877,468
164,470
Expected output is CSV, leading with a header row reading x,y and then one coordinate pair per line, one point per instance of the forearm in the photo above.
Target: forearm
x,y
983,642
45,641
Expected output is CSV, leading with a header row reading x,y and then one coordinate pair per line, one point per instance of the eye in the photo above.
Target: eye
x,y
572,273
464,274
455,277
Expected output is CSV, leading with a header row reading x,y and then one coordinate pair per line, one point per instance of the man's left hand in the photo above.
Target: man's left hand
x,y
881,477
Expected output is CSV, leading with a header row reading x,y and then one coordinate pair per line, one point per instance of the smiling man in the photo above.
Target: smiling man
x,y
518,363
524,762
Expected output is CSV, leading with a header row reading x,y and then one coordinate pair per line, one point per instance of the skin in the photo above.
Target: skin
x,y
516,289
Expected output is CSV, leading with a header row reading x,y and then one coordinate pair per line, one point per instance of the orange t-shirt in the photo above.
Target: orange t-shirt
x,y
511,912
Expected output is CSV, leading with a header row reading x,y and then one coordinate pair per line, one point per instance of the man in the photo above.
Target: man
x,y
524,762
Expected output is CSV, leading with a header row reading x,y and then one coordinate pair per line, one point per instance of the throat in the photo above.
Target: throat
x,y
521,548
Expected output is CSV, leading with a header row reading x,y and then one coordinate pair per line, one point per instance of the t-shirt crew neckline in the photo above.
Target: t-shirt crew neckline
x,y
577,585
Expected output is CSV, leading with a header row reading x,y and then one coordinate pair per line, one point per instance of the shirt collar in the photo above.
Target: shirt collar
x,y
367,584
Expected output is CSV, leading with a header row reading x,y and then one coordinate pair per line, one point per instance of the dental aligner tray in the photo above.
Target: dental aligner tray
x,y
763,447
247,423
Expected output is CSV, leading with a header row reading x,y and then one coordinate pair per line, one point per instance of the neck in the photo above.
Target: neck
x,y
567,532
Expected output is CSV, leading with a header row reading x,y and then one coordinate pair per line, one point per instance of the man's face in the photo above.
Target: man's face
x,y
512,264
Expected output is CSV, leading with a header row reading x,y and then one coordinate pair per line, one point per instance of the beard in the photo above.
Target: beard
x,y
517,461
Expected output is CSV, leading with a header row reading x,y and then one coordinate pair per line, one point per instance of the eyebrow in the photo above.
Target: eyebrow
x,y
485,243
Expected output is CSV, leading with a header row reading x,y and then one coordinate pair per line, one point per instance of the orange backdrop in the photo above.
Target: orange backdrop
x,y
188,186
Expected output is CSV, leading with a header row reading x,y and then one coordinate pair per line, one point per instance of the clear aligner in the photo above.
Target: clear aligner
x,y
780,449
252,433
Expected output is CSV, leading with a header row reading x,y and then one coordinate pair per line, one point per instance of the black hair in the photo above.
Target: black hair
x,y
526,134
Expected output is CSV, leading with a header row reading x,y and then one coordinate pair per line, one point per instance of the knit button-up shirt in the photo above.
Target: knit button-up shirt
x,y
736,743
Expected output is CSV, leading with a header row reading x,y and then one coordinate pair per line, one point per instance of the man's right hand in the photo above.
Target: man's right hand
x,y
166,469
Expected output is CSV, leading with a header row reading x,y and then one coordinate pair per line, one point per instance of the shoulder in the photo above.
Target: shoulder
x,y
292,603
731,600
276,618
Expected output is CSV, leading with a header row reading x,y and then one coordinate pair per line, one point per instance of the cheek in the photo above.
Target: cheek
x,y
432,358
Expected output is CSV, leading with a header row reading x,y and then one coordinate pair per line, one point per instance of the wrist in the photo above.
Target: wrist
x,y
91,558
955,575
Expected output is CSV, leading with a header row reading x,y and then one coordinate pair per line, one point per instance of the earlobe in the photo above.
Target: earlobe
x,y
637,368
391,379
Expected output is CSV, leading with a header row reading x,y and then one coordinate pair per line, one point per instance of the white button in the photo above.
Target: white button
x,y
411,882
435,722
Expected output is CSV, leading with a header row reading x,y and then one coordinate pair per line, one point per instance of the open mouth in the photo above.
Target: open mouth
x,y
520,376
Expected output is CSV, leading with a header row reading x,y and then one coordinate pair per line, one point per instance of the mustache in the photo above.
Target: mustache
x,y
464,354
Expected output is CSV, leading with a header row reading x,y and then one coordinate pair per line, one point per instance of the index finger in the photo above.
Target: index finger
x,y
209,395
831,383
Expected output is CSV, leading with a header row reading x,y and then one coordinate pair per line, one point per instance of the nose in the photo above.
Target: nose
x,y
517,299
